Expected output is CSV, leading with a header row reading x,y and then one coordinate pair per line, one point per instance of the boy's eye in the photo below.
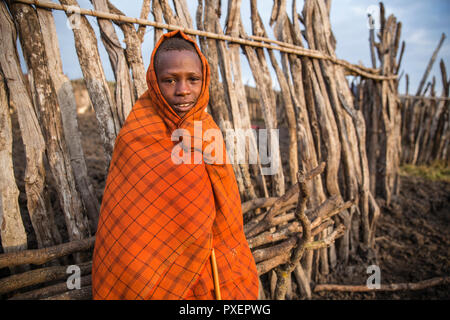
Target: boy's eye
x,y
195,79
169,81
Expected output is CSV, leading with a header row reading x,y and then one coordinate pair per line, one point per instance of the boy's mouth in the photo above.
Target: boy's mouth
x,y
183,106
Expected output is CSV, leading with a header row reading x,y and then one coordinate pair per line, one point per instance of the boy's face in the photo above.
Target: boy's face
x,y
179,75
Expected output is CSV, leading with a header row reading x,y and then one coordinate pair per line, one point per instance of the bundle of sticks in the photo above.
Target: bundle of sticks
x,y
277,236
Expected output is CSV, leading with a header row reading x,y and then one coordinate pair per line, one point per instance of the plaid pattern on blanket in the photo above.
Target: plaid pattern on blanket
x,y
160,220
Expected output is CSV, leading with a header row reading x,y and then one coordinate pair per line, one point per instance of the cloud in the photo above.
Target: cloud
x,y
420,37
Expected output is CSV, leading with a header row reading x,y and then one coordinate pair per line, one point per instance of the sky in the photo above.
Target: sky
x,y
423,22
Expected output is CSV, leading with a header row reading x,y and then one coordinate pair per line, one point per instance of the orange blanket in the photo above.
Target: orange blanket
x,y
159,220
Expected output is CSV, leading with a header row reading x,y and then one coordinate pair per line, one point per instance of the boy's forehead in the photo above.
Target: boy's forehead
x,y
185,53
174,58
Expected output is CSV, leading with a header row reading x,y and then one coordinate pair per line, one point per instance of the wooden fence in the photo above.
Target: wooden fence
x,y
330,134
426,123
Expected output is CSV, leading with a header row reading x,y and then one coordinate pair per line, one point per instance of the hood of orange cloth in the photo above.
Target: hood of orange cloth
x,y
197,113
159,220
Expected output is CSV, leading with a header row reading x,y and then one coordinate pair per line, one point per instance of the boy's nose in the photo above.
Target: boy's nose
x,y
182,88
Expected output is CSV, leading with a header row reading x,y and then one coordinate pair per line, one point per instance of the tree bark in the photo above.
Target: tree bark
x,y
94,76
68,108
391,117
44,255
19,99
145,10
124,95
157,17
261,75
384,287
51,291
133,53
84,293
206,20
182,12
235,100
430,65
287,103
37,276
50,118
13,235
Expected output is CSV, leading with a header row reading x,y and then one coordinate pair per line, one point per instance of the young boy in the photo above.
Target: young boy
x,y
160,220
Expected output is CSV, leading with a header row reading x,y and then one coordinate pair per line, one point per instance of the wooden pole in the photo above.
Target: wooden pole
x,y
13,235
47,107
94,76
41,256
124,95
430,65
34,145
133,52
38,276
68,108
384,287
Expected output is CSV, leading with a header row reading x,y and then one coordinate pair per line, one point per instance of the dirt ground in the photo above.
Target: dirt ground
x,y
412,239
412,244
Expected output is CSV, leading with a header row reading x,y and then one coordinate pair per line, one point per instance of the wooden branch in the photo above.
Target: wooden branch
x,y
229,65
47,106
264,222
13,233
409,97
326,242
124,93
258,203
157,17
399,63
267,265
276,250
145,10
323,213
182,13
169,17
50,291
303,281
37,276
285,232
430,65
328,208
371,41
283,273
41,256
445,81
302,217
292,232
84,293
97,86
68,109
341,207
268,237
385,287
33,141
133,52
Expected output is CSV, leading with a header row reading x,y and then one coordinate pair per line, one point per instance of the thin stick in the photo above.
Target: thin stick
x,y
385,287
41,256
215,275
401,96
429,66
37,276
